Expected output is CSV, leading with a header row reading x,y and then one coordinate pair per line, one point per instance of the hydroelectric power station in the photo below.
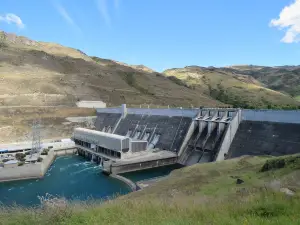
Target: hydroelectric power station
x,y
132,139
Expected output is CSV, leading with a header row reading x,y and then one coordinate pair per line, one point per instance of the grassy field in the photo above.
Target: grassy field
x,y
201,194
297,98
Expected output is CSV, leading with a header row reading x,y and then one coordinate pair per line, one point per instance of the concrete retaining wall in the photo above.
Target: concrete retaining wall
x,y
130,183
61,152
280,116
125,168
27,171
229,136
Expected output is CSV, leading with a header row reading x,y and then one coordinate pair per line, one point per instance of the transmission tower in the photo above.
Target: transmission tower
x,y
36,136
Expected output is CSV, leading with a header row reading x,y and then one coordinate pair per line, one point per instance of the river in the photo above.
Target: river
x,y
73,178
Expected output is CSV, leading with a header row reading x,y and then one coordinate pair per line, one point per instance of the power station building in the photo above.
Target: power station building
x,y
107,146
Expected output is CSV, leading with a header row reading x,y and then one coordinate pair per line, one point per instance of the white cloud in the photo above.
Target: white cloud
x,y
289,19
62,11
11,18
103,9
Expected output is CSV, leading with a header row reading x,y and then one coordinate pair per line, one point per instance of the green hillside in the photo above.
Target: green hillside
x,y
232,88
248,190
282,78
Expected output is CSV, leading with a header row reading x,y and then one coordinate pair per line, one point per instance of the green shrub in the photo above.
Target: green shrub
x,y
20,156
21,163
22,159
5,160
45,152
278,163
40,159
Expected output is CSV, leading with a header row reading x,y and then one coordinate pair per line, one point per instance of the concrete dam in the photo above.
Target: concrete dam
x,y
131,139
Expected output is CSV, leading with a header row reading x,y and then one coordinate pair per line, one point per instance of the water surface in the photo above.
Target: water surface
x,y
74,178
69,176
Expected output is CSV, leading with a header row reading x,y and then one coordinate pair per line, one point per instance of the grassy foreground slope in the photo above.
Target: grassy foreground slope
x,y
200,194
231,87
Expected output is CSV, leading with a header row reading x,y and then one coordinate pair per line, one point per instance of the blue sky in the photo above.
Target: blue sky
x,y
164,34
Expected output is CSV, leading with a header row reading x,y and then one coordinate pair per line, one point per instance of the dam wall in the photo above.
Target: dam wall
x,y
279,116
265,138
107,121
163,132
191,133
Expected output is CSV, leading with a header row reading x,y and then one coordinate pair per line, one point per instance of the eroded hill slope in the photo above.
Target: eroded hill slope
x,y
38,73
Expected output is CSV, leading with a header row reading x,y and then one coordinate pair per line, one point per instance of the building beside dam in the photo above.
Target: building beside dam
x,y
131,139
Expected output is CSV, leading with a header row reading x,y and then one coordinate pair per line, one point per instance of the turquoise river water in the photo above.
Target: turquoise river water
x,y
74,178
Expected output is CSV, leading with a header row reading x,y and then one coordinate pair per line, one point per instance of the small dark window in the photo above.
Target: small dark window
x,y
119,155
124,150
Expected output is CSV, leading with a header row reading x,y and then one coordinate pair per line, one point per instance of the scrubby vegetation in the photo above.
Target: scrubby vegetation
x,y
200,194
232,87
45,152
20,156
40,159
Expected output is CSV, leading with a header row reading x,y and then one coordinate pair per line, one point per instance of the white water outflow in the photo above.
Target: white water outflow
x,y
154,141
146,136
136,135
109,130
129,132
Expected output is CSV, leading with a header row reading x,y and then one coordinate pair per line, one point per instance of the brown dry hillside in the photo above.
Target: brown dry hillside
x,y
38,74
232,87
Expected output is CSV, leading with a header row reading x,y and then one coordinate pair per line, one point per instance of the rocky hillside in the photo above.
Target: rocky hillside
x,y
234,86
38,73
34,73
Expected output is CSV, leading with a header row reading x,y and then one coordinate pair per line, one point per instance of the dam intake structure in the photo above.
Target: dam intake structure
x,y
133,139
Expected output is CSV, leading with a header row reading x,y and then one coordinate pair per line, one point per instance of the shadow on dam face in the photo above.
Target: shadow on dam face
x,y
265,138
